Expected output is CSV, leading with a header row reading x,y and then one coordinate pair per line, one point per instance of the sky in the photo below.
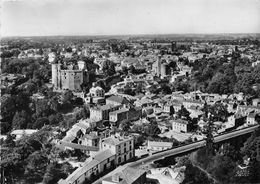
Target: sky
x,y
120,17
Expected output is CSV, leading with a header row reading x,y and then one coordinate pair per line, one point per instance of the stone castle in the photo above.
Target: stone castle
x,y
69,77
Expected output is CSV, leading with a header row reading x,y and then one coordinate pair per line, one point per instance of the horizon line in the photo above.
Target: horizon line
x,y
141,34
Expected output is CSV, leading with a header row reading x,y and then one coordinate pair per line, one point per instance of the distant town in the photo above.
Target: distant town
x,y
154,109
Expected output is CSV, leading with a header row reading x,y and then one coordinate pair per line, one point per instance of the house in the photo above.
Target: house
x,y
176,77
102,112
158,146
180,125
234,121
118,115
168,108
252,118
167,175
74,146
127,176
195,112
144,103
100,162
20,133
195,103
88,123
177,107
122,147
117,101
96,92
256,102
91,139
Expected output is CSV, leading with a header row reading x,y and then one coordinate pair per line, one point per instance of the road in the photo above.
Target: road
x,y
176,151
190,147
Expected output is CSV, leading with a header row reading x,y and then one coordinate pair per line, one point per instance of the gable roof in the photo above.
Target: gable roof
x,y
118,99
180,121
103,155
159,144
116,140
130,175
127,176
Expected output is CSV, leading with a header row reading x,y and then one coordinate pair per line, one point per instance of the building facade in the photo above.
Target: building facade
x,y
180,125
70,78
122,147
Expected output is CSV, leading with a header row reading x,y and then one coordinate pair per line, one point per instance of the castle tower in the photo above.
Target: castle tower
x,y
159,64
55,75
81,65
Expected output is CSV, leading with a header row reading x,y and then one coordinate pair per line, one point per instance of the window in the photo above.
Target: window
x,y
119,160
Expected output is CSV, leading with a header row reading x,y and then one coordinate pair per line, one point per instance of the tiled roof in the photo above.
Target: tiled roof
x,y
118,99
127,176
119,111
181,121
103,155
115,140
24,131
78,146
103,107
90,136
130,175
81,170
159,144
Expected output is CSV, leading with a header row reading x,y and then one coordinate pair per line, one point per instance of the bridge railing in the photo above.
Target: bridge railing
x,y
204,139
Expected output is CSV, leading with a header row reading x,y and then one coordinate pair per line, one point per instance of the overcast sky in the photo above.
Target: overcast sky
x,y
110,17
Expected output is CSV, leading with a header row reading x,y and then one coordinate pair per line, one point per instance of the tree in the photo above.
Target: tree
x,y
251,147
50,175
125,125
244,83
181,85
230,151
36,164
8,108
217,111
209,138
124,70
5,127
20,120
139,88
9,141
40,122
173,65
166,89
223,169
108,68
132,69
67,100
55,119
220,84
152,129
183,112
67,96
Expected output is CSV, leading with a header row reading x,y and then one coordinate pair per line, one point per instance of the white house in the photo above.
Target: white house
x,y
158,146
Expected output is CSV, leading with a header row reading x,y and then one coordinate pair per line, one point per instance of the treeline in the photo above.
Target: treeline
x,y
226,77
32,159
22,112
222,165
